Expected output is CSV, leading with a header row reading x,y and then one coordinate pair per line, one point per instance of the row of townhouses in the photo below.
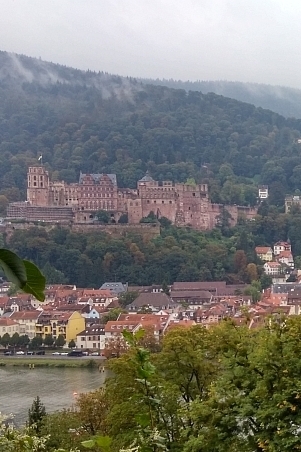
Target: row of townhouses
x,y
78,313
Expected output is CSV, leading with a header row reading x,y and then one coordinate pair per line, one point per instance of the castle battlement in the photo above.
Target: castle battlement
x,y
183,204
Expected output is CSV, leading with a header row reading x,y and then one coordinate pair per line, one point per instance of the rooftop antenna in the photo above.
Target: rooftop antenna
x,y
40,159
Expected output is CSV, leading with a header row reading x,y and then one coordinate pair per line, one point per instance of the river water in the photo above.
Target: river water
x,y
56,387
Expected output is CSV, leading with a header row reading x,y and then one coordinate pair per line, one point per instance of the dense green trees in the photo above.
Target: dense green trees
x,y
178,254
226,388
176,135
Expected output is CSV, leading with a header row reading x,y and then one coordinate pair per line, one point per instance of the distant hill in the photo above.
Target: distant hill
x,y
97,122
283,100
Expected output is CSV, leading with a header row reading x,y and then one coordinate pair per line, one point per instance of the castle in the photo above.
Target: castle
x,y
58,201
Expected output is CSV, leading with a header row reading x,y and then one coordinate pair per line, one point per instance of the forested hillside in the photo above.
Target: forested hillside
x,y
102,123
281,99
178,254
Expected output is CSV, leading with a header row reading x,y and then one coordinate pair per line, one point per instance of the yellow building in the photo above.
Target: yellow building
x,y
56,323
265,253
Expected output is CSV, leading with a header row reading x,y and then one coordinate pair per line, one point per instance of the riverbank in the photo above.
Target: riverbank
x,y
35,362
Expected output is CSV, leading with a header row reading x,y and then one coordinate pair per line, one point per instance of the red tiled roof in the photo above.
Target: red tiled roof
x,y
143,317
25,315
287,254
7,322
273,264
262,249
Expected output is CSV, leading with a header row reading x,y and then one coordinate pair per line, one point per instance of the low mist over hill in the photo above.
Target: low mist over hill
x,y
283,100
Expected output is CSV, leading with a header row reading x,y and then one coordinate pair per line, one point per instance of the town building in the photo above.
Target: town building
x,y
264,253
92,338
8,326
182,203
152,302
56,323
272,268
282,246
27,321
263,192
292,200
286,257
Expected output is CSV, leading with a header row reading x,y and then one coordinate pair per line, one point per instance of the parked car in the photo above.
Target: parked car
x,y
8,352
20,352
75,353
56,353
64,353
30,352
40,352
95,354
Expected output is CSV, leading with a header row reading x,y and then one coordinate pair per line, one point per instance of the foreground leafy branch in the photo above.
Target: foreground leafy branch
x,y
24,274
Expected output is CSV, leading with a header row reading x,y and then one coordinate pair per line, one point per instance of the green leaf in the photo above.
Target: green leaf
x,y
13,268
24,274
128,336
139,334
89,443
104,442
143,420
35,281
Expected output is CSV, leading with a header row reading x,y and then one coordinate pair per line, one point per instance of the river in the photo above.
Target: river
x,y
56,387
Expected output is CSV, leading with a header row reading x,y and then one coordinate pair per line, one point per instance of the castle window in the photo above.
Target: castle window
x,y
193,194
188,208
34,184
162,202
170,202
147,201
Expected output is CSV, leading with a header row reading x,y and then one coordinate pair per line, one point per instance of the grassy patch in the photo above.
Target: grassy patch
x,y
48,362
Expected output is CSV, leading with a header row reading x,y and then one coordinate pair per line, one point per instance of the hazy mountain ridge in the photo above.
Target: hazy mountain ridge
x,y
281,99
20,69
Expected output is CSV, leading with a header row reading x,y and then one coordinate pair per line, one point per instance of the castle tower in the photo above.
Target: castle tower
x,y
37,186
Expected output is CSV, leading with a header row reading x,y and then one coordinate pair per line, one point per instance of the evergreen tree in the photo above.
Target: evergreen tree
x,y
36,414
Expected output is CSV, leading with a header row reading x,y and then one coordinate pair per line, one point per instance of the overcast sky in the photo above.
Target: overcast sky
x,y
236,40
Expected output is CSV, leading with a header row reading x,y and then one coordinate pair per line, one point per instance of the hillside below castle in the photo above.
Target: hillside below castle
x,y
184,204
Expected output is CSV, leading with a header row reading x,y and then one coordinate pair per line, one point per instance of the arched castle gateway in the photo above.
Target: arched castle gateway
x,y
57,201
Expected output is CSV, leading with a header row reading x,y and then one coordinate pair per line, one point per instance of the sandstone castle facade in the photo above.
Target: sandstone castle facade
x,y
57,201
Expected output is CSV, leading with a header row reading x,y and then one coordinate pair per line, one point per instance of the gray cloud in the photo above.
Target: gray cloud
x,y
245,40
